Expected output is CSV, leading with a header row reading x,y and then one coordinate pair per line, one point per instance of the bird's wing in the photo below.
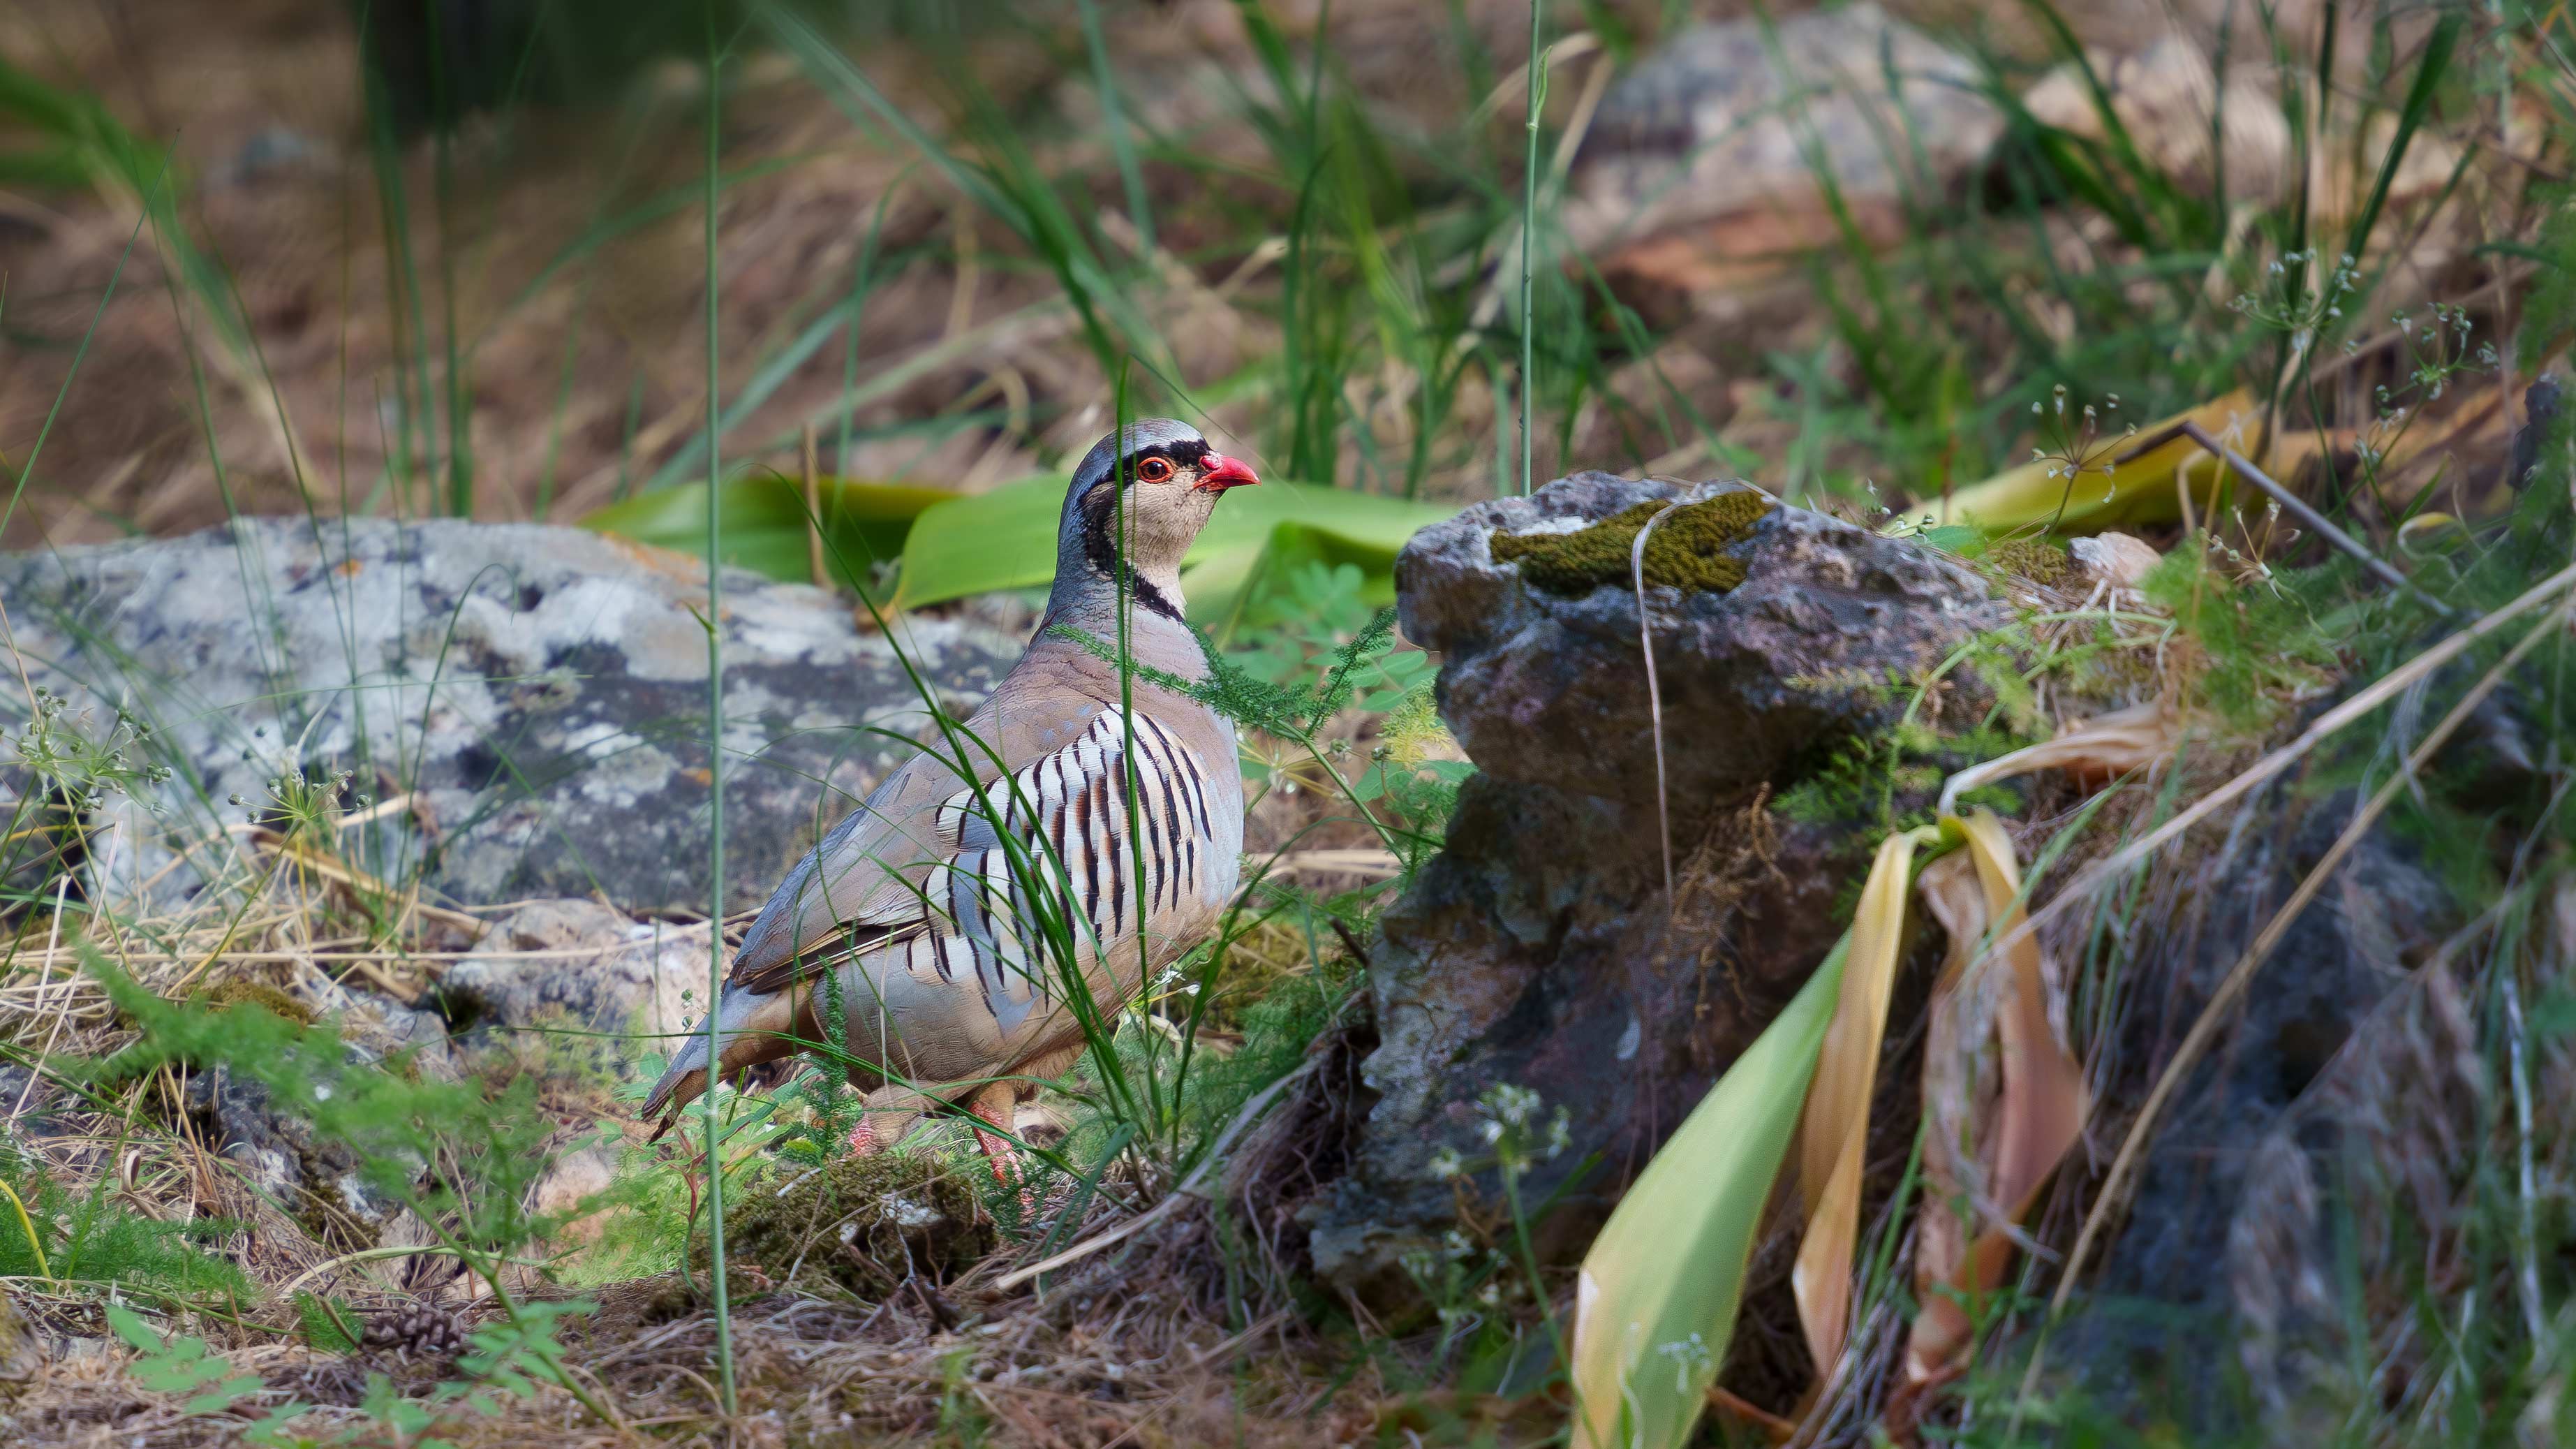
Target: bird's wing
x,y
864,880
923,864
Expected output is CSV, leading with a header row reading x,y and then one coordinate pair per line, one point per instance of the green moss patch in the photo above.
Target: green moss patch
x,y
2035,559
233,992
1686,551
866,1223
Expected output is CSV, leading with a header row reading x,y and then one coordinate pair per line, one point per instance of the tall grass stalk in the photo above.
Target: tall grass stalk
x,y
1125,571
715,756
1113,114
27,469
1529,236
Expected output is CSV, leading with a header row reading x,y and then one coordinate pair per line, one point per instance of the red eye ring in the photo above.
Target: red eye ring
x,y
1155,470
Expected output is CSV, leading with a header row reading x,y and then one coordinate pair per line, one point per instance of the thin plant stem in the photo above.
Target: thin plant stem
x,y
27,470
2297,507
1127,742
1654,689
1529,238
715,761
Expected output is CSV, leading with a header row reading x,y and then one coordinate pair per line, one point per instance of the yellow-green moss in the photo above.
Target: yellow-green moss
x,y
1686,551
866,1223
2035,559
227,994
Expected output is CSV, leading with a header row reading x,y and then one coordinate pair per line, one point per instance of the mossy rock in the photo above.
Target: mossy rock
x,y
1687,551
866,1223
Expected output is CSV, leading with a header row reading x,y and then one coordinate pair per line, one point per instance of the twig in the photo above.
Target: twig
x,y
356,879
1654,690
2205,1029
2386,687
1373,864
2526,1236
2292,504
1172,1200
1529,232
370,1255
53,933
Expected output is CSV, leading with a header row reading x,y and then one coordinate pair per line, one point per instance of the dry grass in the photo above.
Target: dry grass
x,y
1143,1343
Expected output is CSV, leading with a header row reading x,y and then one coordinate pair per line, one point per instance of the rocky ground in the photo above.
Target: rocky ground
x,y
1542,948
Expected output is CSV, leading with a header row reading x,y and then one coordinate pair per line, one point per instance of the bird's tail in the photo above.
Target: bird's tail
x,y
685,1080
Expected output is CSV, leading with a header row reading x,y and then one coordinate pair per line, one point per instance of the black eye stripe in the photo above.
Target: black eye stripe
x,y
1180,454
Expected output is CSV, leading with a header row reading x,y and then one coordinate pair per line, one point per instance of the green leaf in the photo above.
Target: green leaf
x,y
224,1395
129,1325
1656,1301
270,1432
765,522
1005,539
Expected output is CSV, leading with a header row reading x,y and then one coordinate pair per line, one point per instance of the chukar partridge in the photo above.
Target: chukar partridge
x,y
949,989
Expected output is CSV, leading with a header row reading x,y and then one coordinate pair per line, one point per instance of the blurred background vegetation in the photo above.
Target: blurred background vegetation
x,y
440,258
446,258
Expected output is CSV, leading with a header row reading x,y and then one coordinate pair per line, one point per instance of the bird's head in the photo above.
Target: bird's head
x,y
1140,497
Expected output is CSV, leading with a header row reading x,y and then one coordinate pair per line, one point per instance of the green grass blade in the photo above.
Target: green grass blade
x,y
1113,113
2410,118
715,751
1529,238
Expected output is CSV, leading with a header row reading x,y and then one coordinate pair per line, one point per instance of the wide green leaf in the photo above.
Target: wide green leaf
x,y
953,545
1005,539
765,522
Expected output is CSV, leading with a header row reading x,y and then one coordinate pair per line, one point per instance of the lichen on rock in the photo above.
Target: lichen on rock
x,y
1686,551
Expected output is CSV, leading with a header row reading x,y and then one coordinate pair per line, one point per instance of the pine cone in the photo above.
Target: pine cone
x,y
420,1329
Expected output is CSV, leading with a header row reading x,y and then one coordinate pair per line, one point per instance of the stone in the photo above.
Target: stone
x,y
2347,1090
537,694
571,1185
1539,950
1550,689
2164,95
22,1354
1700,168
577,983
2113,558
318,1182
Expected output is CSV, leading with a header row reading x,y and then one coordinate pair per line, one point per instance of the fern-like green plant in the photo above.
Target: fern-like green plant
x,y
178,1364
84,1237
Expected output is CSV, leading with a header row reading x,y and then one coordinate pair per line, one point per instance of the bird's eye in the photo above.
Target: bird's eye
x,y
1155,470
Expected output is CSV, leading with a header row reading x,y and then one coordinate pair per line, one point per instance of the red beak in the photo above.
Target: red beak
x,y
1224,472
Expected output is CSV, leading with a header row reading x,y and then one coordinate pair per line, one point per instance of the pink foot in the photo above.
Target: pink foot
x,y
999,1152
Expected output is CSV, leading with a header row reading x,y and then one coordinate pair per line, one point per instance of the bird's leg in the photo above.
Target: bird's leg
x,y
863,1138
991,1107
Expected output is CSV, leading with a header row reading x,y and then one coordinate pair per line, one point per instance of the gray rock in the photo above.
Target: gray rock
x,y
541,691
319,1182
1552,690
1539,949
2339,1103
1731,123
580,982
